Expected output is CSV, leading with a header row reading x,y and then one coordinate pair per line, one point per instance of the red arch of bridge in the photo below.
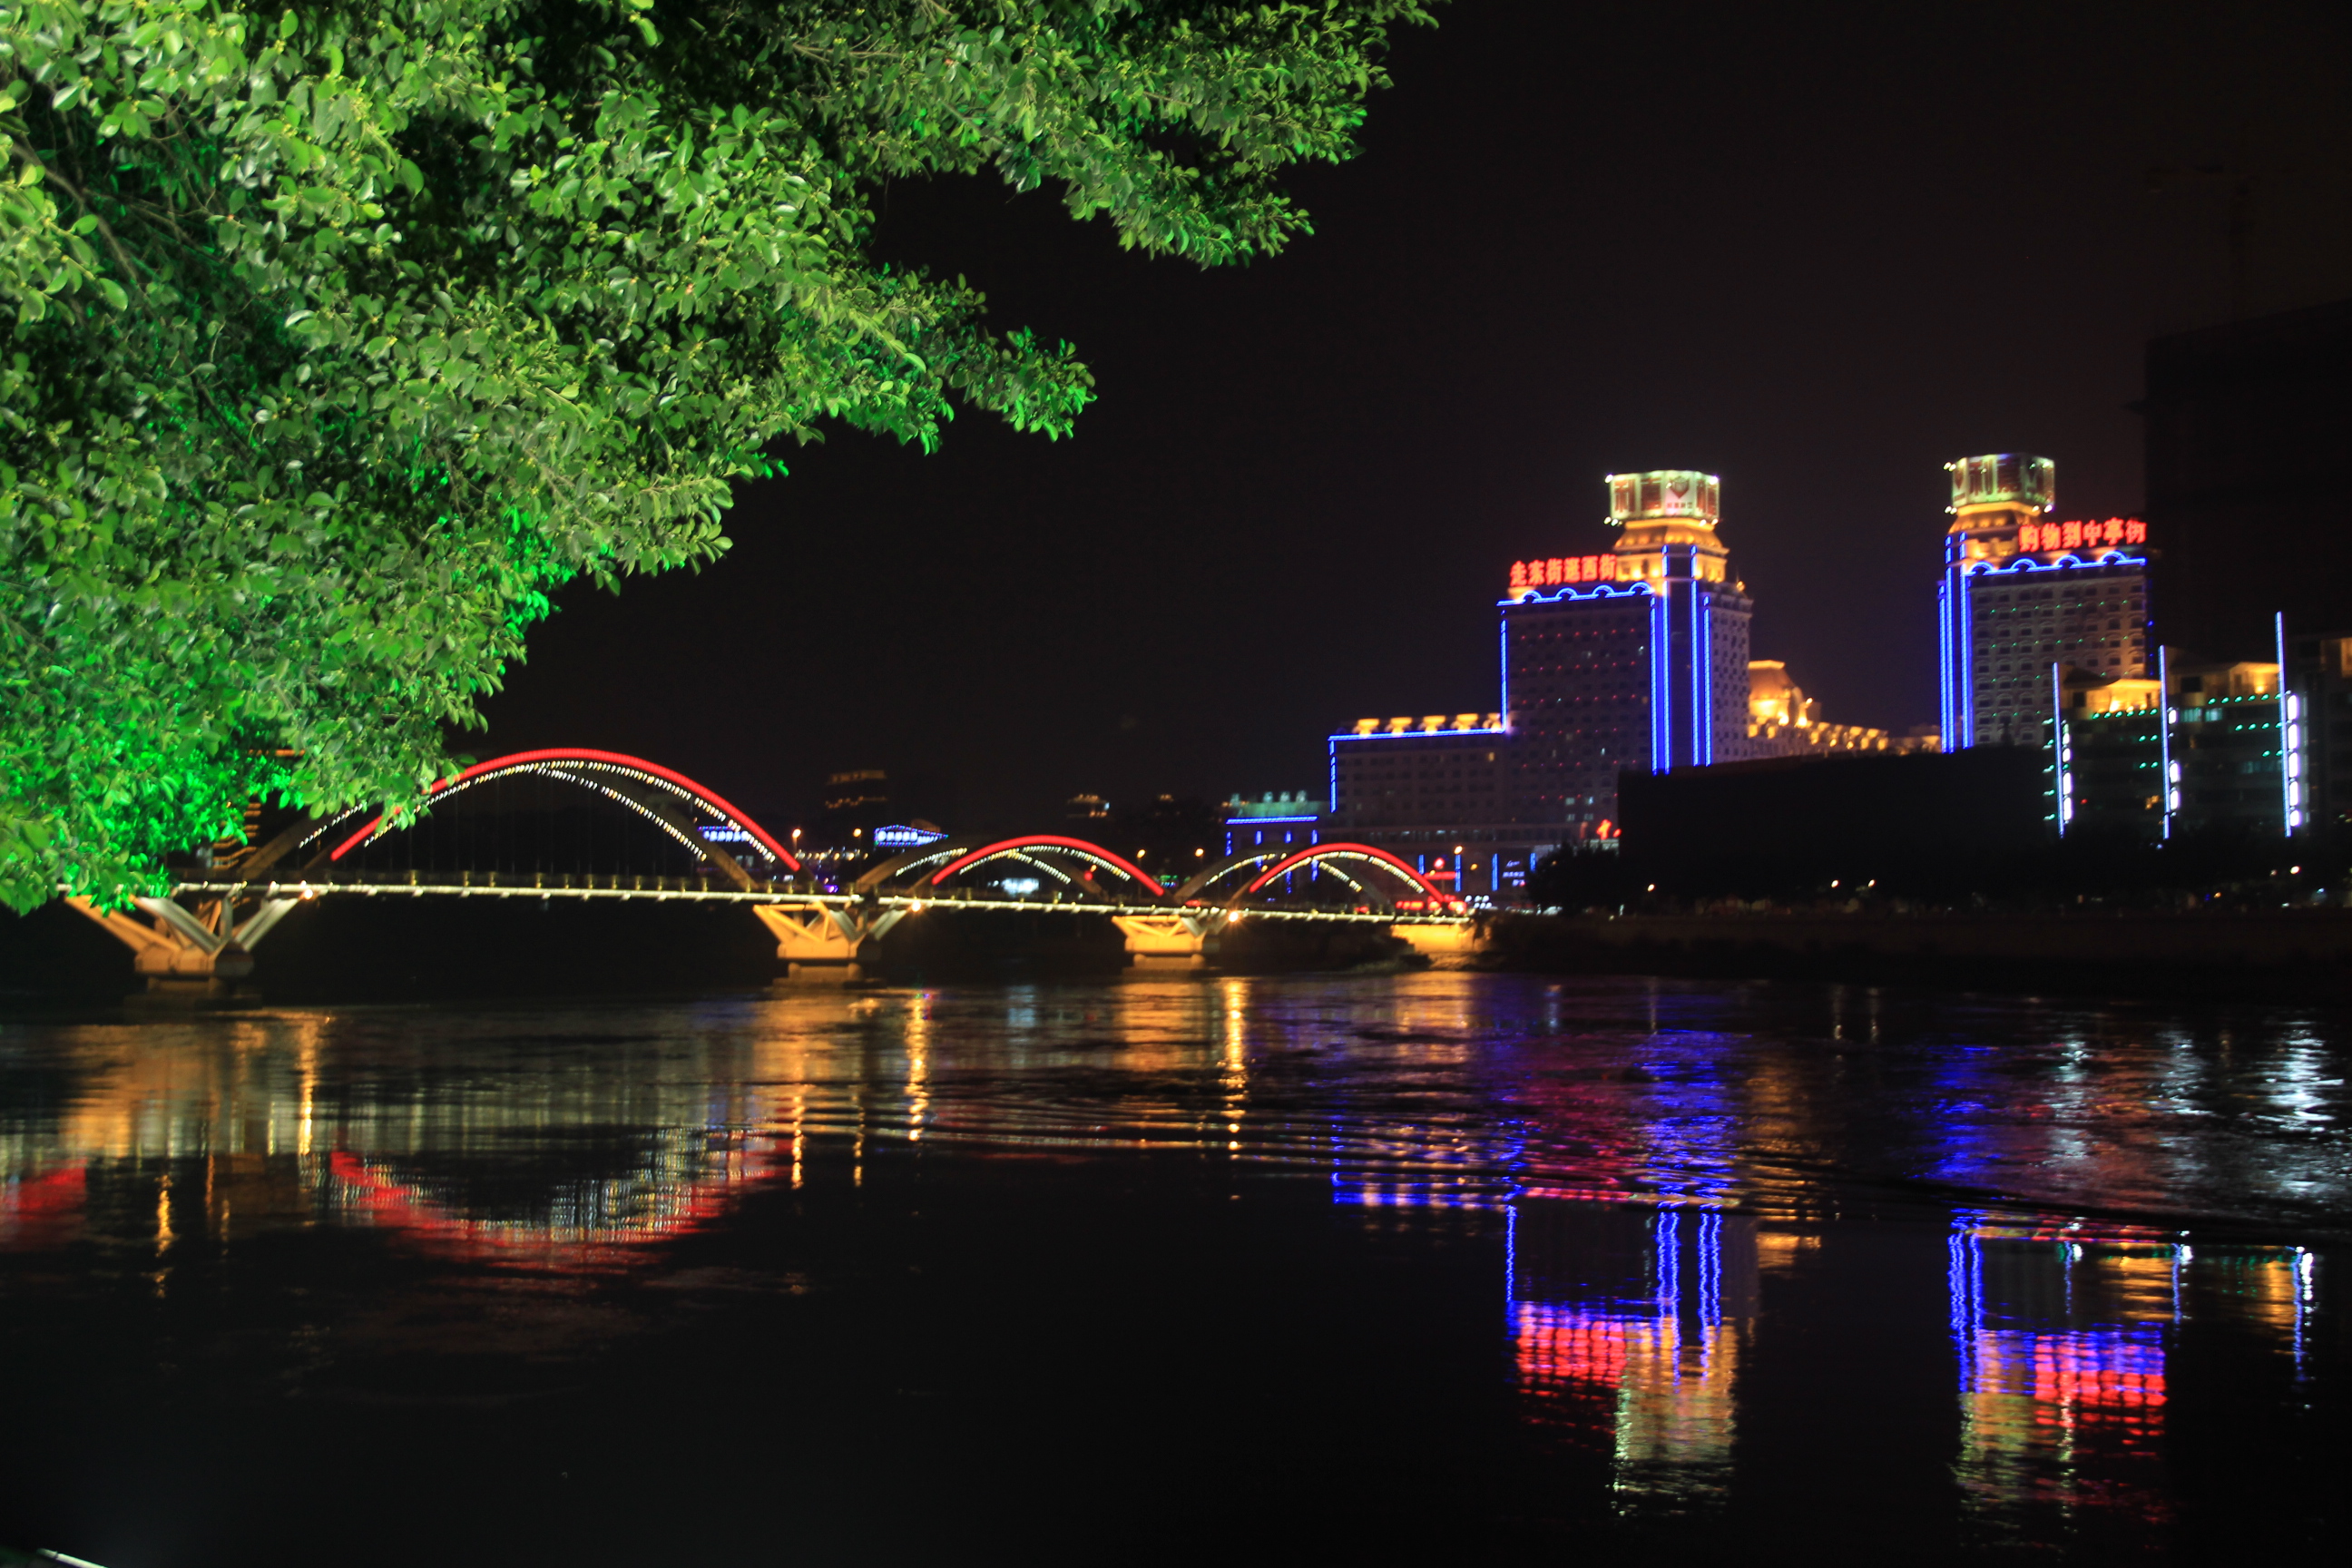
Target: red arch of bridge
x,y
519,760
1353,852
1119,863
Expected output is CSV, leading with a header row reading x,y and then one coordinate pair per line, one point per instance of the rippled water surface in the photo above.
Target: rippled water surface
x,y
1354,1267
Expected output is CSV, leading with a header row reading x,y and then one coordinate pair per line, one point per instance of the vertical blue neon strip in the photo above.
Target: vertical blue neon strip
x,y
1699,668
1332,800
2306,1268
2290,768
2058,774
1964,607
1505,656
1710,1269
1510,1258
1690,645
1966,1277
2170,794
1661,708
1944,657
1670,1263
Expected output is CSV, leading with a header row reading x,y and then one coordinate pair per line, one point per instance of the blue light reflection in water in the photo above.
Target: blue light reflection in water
x,y
1696,1200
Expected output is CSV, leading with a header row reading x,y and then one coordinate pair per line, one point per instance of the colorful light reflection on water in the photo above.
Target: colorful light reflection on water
x,y
1661,1182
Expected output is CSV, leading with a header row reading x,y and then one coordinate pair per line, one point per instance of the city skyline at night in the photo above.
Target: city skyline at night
x,y
1322,455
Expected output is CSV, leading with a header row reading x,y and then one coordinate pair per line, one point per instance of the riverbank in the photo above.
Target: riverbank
x,y
2285,954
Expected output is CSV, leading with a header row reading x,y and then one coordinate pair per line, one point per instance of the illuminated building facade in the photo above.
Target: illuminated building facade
x,y
1273,821
2318,679
2206,748
2023,591
1634,657
1430,790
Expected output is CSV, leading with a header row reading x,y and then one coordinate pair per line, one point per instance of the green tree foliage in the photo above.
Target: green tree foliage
x,y
333,338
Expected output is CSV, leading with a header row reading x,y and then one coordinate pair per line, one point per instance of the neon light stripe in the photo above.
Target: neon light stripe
x,y
1360,851
1944,655
1661,736
1054,841
2290,776
2164,712
610,759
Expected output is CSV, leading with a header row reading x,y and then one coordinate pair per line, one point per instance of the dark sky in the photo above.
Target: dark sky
x,y
1817,248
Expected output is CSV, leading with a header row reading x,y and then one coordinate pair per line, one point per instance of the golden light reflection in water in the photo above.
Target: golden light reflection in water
x,y
1630,1322
2064,1336
919,1064
2062,1347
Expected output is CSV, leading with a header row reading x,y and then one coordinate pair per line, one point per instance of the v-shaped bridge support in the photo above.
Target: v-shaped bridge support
x,y
1182,939
828,941
206,944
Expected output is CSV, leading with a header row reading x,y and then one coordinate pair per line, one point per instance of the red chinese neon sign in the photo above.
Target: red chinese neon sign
x,y
2037,536
1554,570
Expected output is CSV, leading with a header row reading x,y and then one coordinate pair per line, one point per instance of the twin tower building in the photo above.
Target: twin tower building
x,y
1636,658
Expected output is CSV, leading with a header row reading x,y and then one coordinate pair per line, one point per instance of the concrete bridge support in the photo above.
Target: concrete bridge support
x,y
1440,942
821,941
1171,942
184,948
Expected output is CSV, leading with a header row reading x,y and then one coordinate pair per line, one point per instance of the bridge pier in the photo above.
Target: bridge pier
x,y
1451,940
183,949
821,942
1169,942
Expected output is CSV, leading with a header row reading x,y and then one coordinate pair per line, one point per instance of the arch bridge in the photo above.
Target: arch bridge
x,y
707,849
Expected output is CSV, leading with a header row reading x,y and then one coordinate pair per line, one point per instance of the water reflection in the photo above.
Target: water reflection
x,y
1628,1327
2061,1371
1657,1171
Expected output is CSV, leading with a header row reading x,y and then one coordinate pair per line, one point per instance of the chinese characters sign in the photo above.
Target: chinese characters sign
x,y
1559,569
1668,493
2032,537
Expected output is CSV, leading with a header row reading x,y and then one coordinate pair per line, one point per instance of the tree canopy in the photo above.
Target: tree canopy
x,y
334,337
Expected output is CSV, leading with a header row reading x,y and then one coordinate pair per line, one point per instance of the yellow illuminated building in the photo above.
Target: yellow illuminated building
x,y
1782,722
1664,519
2026,595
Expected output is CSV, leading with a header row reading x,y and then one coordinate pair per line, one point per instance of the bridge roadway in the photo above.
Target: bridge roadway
x,y
820,929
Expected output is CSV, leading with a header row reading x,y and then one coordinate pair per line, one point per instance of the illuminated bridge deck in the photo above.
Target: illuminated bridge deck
x,y
562,884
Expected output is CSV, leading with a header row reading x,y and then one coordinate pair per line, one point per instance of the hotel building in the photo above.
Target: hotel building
x,y
1634,656
2023,591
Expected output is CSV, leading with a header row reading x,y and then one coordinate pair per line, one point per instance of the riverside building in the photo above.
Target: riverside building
x,y
2023,591
2209,749
1633,656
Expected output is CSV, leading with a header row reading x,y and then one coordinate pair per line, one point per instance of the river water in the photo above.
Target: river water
x,y
1362,1266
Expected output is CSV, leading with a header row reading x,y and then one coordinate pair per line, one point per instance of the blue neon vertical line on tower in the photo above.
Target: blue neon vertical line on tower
x,y
2290,752
1504,640
1697,751
1944,660
1661,688
2166,714
2059,773
1964,612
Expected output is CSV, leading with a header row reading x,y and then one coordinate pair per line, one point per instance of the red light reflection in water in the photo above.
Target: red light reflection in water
x,y
1628,1325
2061,1374
659,1211
46,1210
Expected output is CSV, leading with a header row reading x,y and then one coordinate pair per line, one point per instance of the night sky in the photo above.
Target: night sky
x,y
1820,249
